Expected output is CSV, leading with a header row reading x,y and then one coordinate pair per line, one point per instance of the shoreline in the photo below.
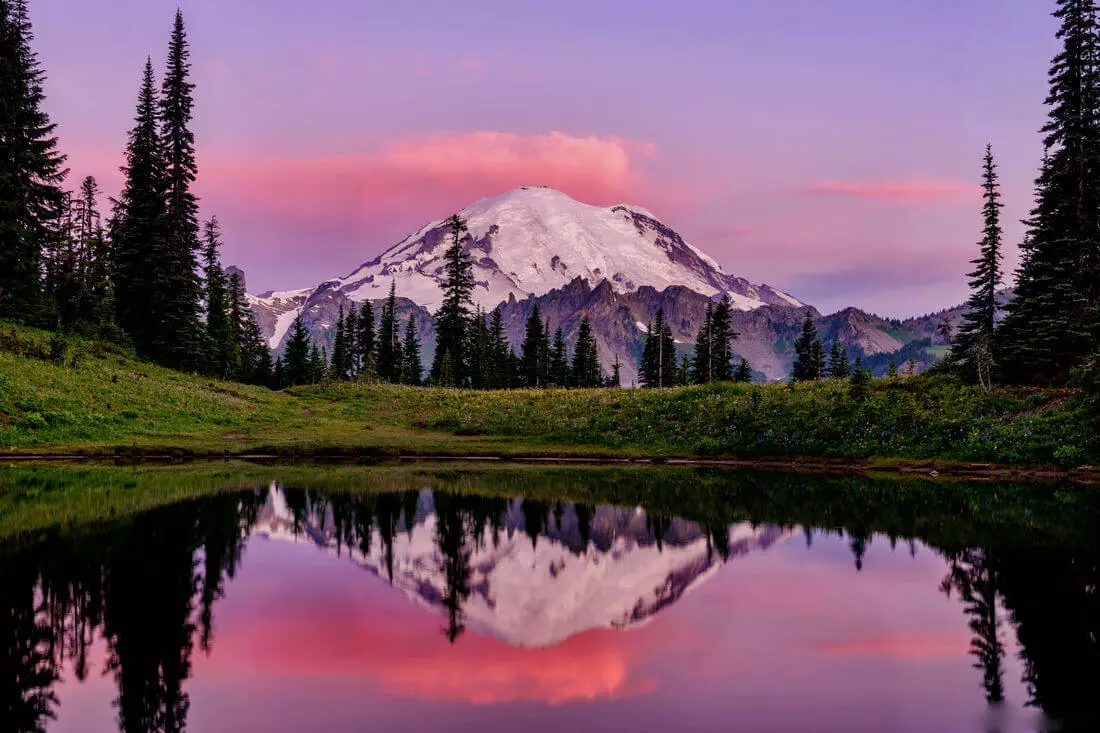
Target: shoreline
x,y
930,468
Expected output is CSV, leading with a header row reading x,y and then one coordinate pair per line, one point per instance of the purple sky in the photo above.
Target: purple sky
x,y
828,148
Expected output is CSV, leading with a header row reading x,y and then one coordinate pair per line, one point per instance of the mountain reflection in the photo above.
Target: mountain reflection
x,y
530,573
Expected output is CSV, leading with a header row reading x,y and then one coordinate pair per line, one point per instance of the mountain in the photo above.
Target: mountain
x,y
536,246
539,591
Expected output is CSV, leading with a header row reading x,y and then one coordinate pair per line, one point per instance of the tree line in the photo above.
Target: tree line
x,y
133,276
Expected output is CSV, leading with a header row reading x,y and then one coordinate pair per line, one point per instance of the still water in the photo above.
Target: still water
x,y
454,603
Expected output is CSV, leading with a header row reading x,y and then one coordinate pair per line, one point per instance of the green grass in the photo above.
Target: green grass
x,y
80,397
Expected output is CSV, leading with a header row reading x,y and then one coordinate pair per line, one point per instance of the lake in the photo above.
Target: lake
x,y
546,599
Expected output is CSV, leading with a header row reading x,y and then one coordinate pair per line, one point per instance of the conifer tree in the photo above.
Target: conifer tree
x,y
616,379
586,361
387,359
972,347
703,365
176,264
722,334
659,362
559,360
500,365
683,372
533,350
297,365
255,365
222,342
97,300
31,168
411,368
365,342
453,316
818,359
478,349
743,372
139,225
1054,320
892,369
318,364
339,366
861,381
806,365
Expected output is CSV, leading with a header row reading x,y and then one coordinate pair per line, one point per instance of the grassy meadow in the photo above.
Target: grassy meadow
x,y
69,396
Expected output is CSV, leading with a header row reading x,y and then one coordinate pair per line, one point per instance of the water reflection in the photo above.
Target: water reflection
x,y
538,576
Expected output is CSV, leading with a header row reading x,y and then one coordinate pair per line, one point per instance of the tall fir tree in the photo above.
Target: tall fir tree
x,y
32,169
806,364
616,379
297,365
972,347
222,344
839,367
254,363
659,363
722,335
412,370
500,361
559,360
452,319
534,355
387,358
139,225
340,364
365,342
1054,319
177,288
586,372
478,350
743,373
703,364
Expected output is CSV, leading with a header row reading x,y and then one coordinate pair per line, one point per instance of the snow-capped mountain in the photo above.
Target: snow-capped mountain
x,y
537,593
618,265
528,242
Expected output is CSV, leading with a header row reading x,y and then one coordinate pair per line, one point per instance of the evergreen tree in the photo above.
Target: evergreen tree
x,y
340,365
683,372
818,359
559,361
703,365
139,225
297,366
838,366
744,372
973,345
499,362
387,360
177,284
892,370
411,369
1054,320
722,334
659,355
534,358
616,379
223,344
478,349
365,342
318,364
586,361
31,168
806,364
453,316
861,381
96,306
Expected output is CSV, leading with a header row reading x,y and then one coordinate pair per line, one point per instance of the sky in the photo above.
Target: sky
x,y
832,149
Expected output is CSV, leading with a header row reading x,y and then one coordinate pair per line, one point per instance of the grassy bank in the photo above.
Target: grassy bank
x,y
78,397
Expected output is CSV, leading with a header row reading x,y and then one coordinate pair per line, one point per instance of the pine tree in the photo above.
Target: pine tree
x,y
453,315
411,369
616,379
559,360
339,367
683,372
533,351
365,342
818,359
97,303
387,360
176,263
722,334
478,349
659,362
861,381
892,369
586,361
743,373
31,168
318,365
972,348
806,365
139,224
500,365
703,365
296,356
222,344
1054,320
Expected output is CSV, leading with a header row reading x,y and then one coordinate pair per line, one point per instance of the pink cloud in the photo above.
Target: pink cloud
x,y
914,647
897,190
423,176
